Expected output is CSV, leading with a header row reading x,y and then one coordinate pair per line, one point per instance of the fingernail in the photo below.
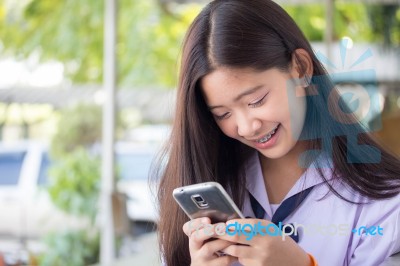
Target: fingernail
x,y
229,222
204,220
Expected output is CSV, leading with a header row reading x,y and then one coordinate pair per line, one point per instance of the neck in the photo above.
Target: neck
x,y
281,174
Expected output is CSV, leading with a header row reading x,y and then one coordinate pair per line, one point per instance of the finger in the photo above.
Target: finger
x,y
247,231
241,240
211,248
249,221
239,251
223,260
203,234
217,261
195,225
208,231
199,237
241,237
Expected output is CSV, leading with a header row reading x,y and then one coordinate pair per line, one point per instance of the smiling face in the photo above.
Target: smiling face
x,y
262,109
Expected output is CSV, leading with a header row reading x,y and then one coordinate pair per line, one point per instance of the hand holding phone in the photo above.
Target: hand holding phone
x,y
207,199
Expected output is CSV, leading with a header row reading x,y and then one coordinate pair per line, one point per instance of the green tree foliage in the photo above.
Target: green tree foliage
x,y
78,248
71,31
385,23
310,19
149,39
78,126
74,185
360,22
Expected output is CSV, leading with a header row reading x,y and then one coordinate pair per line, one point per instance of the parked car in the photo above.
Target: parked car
x,y
134,161
25,206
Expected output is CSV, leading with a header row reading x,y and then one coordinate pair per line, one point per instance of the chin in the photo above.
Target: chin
x,y
276,152
272,154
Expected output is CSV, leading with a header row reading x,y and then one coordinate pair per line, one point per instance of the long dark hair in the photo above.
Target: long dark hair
x,y
255,34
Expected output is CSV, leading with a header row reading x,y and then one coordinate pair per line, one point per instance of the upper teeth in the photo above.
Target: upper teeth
x,y
268,136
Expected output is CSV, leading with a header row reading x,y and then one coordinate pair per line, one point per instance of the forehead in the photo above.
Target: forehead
x,y
225,83
227,76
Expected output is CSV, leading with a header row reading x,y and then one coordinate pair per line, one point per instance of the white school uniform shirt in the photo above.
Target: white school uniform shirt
x,y
334,244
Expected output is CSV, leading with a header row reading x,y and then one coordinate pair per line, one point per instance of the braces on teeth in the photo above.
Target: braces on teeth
x,y
268,136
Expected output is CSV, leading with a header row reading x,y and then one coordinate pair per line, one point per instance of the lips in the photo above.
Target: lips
x,y
268,136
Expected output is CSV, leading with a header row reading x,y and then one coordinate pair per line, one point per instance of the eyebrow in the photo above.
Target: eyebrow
x,y
240,96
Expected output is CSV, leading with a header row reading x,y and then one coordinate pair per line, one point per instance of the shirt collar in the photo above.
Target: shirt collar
x,y
256,186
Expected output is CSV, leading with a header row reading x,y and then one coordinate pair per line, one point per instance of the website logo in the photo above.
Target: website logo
x,y
354,99
284,230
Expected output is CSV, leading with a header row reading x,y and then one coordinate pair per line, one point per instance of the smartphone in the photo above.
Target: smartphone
x,y
207,199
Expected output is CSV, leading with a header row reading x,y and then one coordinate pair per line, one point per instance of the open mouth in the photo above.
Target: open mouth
x,y
269,135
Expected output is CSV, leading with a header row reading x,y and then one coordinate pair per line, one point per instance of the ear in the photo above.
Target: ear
x,y
302,64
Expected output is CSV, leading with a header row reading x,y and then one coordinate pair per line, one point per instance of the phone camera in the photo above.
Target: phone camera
x,y
199,200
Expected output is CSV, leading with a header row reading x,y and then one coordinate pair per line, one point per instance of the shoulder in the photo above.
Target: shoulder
x,y
378,228
374,209
382,211
379,236
362,211
374,223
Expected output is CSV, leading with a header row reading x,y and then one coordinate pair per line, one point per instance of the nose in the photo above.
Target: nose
x,y
247,126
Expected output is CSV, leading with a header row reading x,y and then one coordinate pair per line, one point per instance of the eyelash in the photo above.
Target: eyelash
x,y
220,117
252,105
259,102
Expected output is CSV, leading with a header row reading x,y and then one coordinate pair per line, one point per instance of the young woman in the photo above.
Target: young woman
x,y
257,113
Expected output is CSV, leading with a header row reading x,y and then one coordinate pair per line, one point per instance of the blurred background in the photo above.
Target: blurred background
x,y
52,96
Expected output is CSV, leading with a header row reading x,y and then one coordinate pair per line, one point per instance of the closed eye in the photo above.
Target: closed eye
x,y
220,117
259,102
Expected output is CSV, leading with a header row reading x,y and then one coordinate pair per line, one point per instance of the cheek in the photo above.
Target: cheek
x,y
293,109
297,111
